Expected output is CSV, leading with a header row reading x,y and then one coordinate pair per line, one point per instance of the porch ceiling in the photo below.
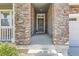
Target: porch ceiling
x,y
6,6
41,7
74,5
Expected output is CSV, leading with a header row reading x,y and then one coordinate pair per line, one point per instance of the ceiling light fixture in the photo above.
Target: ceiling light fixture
x,y
41,9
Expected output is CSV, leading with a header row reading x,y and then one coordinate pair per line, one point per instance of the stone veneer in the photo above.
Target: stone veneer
x,y
23,23
60,24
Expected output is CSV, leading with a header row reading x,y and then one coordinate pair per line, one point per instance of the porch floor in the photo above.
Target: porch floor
x,y
41,45
41,39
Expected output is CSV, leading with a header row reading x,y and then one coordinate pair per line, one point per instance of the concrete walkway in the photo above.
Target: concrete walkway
x,y
43,50
41,39
41,45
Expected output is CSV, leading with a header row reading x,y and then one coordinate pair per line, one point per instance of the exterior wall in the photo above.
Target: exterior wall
x,y
32,20
49,19
61,23
23,23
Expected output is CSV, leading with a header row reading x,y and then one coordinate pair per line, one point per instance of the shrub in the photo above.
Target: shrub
x,y
7,50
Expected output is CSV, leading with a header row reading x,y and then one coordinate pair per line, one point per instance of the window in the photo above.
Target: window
x,y
5,18
72,19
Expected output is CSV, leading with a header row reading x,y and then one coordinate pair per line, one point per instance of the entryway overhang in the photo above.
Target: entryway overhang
x,y
41,7
6,6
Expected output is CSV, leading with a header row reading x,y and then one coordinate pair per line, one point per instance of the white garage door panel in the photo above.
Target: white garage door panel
x,y
74,33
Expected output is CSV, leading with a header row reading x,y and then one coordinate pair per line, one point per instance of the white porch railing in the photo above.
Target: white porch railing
x,y
6,34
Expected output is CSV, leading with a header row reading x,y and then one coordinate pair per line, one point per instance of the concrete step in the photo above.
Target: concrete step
x,y
40,52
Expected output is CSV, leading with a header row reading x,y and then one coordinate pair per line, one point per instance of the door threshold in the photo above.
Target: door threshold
x,y
40,32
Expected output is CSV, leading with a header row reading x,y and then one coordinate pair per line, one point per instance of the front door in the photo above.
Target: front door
x,y
40,24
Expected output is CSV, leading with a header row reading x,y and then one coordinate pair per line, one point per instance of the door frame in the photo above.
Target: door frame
x,y
40,15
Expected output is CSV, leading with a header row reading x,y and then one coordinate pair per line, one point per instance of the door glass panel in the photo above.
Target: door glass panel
x,y
72,19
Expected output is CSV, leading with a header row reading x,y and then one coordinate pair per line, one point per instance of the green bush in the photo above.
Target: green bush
x,y
7,50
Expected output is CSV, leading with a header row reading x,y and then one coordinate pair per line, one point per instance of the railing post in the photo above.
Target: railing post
x,y
13,40
0,25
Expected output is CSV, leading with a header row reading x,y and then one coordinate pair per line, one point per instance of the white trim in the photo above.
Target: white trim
x,y
44,23
6,27
73,15
36,22
0,19
76,16
42,14
13,40
0,24
6,10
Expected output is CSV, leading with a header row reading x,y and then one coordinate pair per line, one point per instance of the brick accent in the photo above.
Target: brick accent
x,y
23,23
60,24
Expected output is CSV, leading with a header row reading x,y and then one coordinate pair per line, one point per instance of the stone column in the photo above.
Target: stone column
x,y
61,23
23,23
